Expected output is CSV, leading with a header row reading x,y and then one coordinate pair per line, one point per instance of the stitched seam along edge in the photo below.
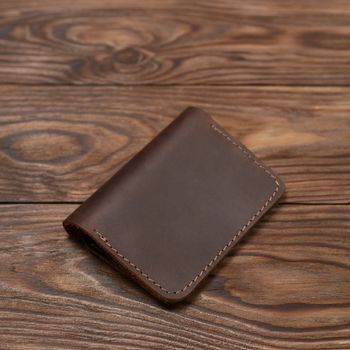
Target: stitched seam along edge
x,y
219,253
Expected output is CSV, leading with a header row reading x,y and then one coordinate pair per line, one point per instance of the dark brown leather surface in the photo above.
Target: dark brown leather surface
x,y
175,210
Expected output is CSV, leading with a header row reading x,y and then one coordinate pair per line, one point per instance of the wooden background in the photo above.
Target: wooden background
x,y
84,84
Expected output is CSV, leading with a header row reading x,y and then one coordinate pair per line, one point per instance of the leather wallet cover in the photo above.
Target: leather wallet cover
x,y
176,208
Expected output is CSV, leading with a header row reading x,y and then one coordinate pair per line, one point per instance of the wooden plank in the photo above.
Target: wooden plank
x,y
175,42
286,286
62,143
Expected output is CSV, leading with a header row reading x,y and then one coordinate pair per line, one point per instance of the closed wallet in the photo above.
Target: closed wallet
x,y
173,212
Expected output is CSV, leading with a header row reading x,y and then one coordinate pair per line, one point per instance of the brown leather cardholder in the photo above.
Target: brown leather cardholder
x,y
174,210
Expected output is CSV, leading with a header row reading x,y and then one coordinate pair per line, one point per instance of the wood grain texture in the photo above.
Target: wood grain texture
x,y
175,42
62,143
286,286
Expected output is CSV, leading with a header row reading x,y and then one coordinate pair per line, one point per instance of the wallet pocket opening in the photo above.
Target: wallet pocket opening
x,y
80,235
74,231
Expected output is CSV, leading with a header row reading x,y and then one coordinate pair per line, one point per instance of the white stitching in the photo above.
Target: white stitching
x,y
228,138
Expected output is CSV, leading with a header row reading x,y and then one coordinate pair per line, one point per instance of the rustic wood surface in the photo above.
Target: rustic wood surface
x,y
88,132
175,42
85,84
285,287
